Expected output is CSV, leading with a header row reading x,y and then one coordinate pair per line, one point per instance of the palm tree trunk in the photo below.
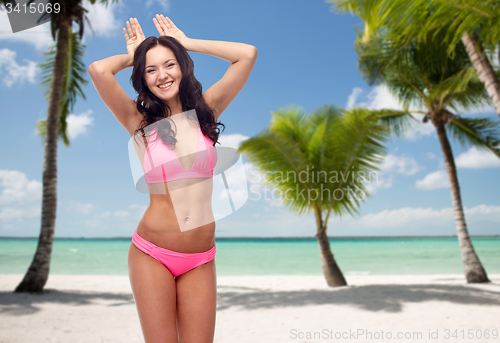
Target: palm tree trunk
x,y
331,270
38,272
473,269
483,68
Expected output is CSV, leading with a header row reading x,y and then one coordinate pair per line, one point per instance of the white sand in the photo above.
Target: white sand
x,y
264,309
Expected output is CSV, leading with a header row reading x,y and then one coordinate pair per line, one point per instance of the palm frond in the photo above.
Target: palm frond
x,y
422,73
346,6
456,83
382,62
322,122
482,133
410,20
356,146
372,12
474,96
398,122
72,83
338,143
291,122
280,159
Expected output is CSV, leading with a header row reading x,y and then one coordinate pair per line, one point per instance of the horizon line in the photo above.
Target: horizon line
x,y
268,238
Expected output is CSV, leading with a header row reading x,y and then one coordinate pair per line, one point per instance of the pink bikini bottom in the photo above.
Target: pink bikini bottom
x,y
177,262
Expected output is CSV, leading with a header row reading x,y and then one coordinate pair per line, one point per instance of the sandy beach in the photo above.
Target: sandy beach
x,y
408,308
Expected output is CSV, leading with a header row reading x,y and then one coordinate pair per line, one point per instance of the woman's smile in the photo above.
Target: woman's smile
x,y
166,85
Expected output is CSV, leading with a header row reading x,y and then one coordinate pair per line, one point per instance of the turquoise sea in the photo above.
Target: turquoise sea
x,y
355,256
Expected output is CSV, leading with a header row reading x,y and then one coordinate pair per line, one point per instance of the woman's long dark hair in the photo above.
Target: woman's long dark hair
x,y
190,92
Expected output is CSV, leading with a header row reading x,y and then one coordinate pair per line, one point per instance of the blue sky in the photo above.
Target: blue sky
x,y
306,58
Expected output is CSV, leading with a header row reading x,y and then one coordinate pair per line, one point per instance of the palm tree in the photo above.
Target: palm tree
x,y
471,22
320,161
72,83
63,87
423,74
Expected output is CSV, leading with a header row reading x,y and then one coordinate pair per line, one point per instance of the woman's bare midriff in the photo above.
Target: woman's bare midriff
x,y
181,219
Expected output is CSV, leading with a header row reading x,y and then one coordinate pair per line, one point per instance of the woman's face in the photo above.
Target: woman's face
x,y
161,69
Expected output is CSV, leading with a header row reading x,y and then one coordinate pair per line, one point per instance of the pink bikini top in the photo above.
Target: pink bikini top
x,y
162,165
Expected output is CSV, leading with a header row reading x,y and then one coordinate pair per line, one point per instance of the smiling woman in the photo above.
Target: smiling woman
x,y
157,74
158,61
171,256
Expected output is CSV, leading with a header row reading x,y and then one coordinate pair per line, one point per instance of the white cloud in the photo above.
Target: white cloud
x,y
255,174
121,213
257,190
236,179
402,216
476,159
137,210
380,183
19,214
351,100
17,187
383,179
236,176
406,216
275,203
485,109
18,190
232,140
392,164
13,73
277,221
163,4
80,208
102,20
38,36
376,99
439,160
485,212
420,130
103,215
401,165
431,156
435,180
77,124
379,98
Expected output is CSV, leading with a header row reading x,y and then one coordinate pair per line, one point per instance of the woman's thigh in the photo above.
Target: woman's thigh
x,y
196,304
155,296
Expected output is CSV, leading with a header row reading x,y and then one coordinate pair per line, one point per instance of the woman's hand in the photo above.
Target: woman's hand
x,y
134,37
166,27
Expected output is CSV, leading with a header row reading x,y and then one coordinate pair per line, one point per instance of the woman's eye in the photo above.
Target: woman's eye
x,y
171,64
150,70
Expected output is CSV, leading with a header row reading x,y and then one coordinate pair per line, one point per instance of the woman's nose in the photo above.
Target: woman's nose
x,y
163,74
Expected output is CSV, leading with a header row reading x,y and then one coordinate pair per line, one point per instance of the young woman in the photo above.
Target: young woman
x,y
171,266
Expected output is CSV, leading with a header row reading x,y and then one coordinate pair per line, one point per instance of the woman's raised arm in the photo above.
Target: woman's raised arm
x,y
112,94
242,57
